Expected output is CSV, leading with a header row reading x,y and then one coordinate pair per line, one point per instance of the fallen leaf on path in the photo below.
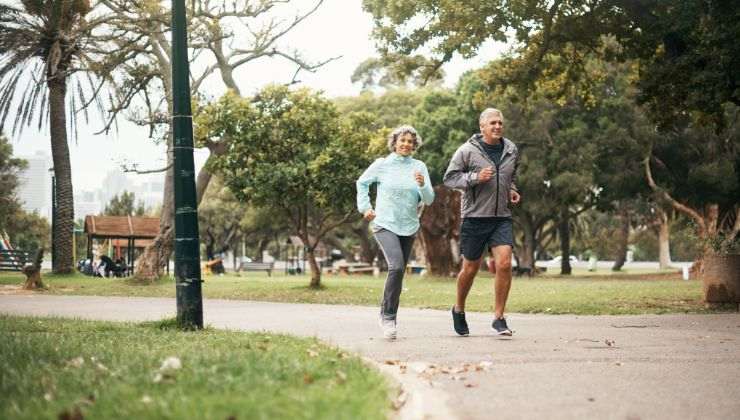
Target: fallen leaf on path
x,y
400,400
469,385
419,367
485,365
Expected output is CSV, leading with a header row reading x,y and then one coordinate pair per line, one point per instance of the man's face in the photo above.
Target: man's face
x,y
492,127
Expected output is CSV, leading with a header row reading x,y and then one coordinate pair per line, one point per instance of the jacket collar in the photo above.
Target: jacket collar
x,y
508,145
395,157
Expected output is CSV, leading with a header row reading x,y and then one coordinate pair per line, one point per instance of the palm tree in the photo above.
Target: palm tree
x,y
42,46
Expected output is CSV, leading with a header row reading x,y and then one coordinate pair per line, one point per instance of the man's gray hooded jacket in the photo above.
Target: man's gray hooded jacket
x,y
486,199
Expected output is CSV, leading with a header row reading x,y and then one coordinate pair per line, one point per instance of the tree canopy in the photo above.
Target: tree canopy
x,y
291,152
687,50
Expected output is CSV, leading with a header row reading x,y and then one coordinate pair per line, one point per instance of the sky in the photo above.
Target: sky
x,y
338,28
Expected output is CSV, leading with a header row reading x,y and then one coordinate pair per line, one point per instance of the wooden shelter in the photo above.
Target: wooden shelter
x,y
135,231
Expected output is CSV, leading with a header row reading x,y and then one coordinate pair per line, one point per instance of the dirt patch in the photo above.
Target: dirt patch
x,y
14,289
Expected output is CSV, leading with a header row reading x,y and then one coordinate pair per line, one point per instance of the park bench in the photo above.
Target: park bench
x,y
14,260
353,268
257,266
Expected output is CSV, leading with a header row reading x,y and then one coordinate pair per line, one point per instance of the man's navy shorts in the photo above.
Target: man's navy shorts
x,y
483,233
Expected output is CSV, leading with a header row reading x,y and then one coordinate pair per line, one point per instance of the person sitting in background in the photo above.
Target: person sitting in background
x,y
107,265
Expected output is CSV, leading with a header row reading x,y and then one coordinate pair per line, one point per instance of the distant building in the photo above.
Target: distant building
x,y
35,184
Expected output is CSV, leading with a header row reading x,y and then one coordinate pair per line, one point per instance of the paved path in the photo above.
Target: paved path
x,y
607,367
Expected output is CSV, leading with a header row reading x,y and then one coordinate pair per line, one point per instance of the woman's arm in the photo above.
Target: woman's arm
x,y
426,192
363,183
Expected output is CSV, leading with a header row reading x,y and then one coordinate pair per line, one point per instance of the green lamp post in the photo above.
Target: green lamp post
x,y
187,243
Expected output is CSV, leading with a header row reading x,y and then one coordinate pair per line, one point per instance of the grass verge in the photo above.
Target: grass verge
x,y
583,294
53,367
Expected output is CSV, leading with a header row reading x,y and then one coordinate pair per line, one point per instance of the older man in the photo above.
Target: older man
x,y
484,169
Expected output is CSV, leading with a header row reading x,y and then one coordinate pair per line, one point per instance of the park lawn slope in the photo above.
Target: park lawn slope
x,y
50,367
581,294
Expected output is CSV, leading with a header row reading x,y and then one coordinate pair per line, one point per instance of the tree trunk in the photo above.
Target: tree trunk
x,y
664,243
157,255
315,269
33,272
64,214
564,233
440,232
368,247
622,238
262,245
529,244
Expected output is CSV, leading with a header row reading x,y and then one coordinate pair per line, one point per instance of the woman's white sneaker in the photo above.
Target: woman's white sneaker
x,y
389,328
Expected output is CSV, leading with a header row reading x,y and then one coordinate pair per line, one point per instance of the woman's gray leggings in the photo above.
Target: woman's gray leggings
x,y
397,250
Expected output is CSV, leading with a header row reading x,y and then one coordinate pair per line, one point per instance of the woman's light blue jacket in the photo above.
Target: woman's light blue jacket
x,y
398,193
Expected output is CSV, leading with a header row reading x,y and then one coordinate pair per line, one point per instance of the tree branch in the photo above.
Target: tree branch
x,y
664,194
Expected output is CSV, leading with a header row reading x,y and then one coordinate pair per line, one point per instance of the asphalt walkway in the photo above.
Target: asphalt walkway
x,y
555,366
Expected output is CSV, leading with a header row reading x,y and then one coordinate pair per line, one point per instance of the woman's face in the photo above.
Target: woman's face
x,y
405,144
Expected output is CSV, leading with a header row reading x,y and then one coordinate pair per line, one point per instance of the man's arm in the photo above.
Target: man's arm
x,y
458,176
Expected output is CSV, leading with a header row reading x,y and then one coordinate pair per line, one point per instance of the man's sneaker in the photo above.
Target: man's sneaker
x,y
499,327
458,320
389,328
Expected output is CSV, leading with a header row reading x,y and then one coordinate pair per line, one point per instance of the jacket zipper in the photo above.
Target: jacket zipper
x,y
498,180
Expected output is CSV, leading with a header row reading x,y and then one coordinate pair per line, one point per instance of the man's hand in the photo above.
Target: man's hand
x,y
485,174
369,215
419,178
515,197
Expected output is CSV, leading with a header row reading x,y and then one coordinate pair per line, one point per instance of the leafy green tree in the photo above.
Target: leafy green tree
x,y
124,205
292,154
687,51
9,168
390,109
696,170
43,43
27,231
141,65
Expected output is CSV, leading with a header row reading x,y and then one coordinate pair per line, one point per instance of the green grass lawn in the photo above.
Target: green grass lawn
x,y
113,371
584,293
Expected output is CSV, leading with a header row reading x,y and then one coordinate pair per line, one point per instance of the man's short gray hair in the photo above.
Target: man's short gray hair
x,y
489,111
400,131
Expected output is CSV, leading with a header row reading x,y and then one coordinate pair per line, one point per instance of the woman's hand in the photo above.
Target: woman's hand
x,y
369,215
419,178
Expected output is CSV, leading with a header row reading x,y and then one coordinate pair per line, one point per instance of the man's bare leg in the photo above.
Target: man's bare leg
x,y
465,279
502,256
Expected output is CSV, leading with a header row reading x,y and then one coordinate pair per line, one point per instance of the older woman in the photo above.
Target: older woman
x,y
403,182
